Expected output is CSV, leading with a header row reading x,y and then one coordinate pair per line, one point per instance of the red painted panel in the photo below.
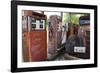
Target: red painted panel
x,y
38,45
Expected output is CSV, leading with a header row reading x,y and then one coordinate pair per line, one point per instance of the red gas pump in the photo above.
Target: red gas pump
x,y
34,36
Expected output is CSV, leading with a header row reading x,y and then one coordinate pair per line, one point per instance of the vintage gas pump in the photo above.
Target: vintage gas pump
x,y
54,34
34,36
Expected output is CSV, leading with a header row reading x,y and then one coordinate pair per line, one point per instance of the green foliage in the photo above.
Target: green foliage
x,y
66,18
74,19
71,18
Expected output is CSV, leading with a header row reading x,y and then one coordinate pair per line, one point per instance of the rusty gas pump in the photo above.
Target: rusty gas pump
x,y
34,39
